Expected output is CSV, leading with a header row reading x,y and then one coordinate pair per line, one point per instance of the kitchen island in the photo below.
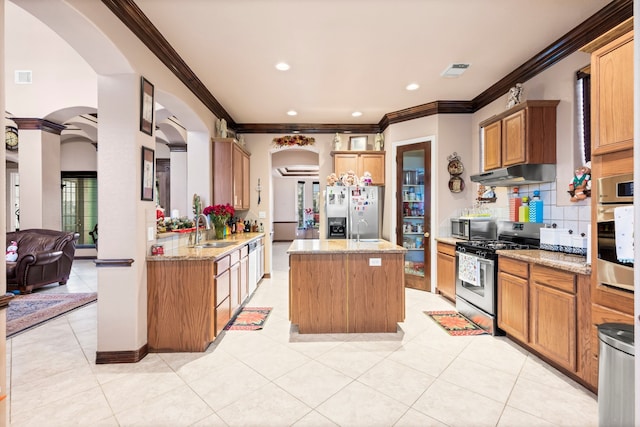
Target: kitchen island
x,y
345,286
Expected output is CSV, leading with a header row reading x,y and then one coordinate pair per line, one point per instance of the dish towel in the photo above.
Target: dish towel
x,y
468,269
623,221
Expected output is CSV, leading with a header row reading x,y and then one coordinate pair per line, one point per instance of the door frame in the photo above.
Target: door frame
x,y
431,139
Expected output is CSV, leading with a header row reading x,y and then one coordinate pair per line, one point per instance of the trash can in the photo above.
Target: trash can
x,y
616,375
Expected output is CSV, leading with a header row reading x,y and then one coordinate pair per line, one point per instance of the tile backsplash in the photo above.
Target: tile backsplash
x,y
576,217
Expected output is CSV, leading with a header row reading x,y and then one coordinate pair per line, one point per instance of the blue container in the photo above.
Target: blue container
x,y
536,208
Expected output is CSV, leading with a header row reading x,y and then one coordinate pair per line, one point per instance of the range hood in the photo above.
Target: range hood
x,y
517,175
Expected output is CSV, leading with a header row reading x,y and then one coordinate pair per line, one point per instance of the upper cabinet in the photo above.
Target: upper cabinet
x,y
612,95
360,162
230,174
525,133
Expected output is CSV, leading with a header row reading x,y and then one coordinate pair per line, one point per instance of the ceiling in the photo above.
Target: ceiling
x,y
351,55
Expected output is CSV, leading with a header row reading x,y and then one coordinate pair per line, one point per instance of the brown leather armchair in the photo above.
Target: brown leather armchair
x,y
44,257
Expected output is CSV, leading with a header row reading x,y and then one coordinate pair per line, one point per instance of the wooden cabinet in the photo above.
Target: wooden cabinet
x,y
549,312
360,162
612,96
446,274
513,298
553,314
231,182
525,133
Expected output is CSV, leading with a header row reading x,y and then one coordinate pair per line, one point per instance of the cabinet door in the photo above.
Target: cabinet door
x,y
553,324
612,95
374,164
238,202
223,307
492,145
513,306
246,182
234,287
244,278
344,162
513,142
222,171
447,271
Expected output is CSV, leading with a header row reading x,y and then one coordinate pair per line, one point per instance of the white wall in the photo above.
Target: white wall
x,y
78,156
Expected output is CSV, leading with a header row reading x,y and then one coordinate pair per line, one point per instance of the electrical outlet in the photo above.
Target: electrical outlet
x,y
262,214
151,233
375,262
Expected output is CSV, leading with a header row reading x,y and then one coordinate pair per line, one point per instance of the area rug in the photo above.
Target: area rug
x,y
30,310
455,323
249,319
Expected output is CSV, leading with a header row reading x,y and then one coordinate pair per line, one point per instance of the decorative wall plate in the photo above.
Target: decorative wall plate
x,y
456,184
455,167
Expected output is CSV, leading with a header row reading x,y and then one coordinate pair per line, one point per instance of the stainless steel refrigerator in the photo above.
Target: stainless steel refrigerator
x,y
354,211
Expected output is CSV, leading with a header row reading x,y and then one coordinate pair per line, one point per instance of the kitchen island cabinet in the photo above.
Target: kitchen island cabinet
x,y
343,286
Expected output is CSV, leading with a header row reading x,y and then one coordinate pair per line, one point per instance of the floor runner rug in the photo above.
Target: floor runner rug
x,y
455,323
249,319
30,310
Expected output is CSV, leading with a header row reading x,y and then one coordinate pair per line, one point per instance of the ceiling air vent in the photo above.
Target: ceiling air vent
x,y
454,70
23,77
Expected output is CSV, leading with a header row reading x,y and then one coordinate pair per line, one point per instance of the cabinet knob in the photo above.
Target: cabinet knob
x,y
426,234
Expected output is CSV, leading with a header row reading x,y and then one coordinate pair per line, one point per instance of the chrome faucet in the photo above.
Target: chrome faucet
x,y
197,224
361,220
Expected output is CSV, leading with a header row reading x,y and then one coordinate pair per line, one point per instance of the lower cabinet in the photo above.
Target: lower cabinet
x,y
446,276
548,311
513,298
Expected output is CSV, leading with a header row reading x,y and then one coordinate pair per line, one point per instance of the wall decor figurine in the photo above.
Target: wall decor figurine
x,y
580,185
337,142
378,142
515,95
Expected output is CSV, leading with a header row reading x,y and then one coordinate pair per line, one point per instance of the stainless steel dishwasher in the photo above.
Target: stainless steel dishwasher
x,y
616,375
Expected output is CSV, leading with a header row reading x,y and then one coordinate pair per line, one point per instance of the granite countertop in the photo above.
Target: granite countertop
x,y
336,246
185,253
448,240
573,263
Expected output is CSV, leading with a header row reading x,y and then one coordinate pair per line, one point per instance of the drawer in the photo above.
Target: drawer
x,y
553,278
234,257
222,264
514,267
447,249
223,315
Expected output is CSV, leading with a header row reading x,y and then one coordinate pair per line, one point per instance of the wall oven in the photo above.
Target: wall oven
x,y
615,247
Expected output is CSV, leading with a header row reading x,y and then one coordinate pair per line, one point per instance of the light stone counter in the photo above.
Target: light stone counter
x,y
573,263
186,253
338,246
448,240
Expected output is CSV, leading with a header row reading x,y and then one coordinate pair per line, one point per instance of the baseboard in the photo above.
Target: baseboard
x,y
133,356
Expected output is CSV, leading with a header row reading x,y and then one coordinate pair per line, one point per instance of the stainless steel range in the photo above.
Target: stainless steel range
x,y
477,271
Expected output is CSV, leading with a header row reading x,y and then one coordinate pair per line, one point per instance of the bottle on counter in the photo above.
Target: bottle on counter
x,y
524,210
247,226
535,207
261,228
514,205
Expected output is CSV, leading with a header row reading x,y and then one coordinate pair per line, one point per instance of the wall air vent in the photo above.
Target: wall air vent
x,y
455,70
23,77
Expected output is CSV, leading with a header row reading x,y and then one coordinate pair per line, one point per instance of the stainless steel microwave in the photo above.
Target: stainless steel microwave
x,y
613,192
474,228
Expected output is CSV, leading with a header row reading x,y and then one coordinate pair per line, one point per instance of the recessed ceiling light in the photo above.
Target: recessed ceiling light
x,y
292,113
356,114
413,86
455,70
282,66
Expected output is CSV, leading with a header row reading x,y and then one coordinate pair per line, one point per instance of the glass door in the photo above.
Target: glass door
x,y
414,213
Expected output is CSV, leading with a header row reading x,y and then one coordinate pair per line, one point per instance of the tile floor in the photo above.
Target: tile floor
x,y
419,376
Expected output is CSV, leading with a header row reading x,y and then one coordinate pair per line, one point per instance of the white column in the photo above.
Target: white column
x,y
39,170
123,217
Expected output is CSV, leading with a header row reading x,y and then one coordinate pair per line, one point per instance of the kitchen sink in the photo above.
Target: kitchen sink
x,y
215,244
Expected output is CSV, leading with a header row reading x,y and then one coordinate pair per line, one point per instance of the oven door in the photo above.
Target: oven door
x,y
475,281
611,271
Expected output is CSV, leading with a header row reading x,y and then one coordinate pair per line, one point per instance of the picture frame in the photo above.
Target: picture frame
x,y
146,106
357,143
147,177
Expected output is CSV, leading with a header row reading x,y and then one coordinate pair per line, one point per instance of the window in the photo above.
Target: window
x,y
583,83
300,203
80,205
316,202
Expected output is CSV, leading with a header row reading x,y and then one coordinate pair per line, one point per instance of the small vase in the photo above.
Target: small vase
x,y
219,229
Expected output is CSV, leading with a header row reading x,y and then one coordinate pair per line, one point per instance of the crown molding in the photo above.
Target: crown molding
x,y
602,21
29,123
